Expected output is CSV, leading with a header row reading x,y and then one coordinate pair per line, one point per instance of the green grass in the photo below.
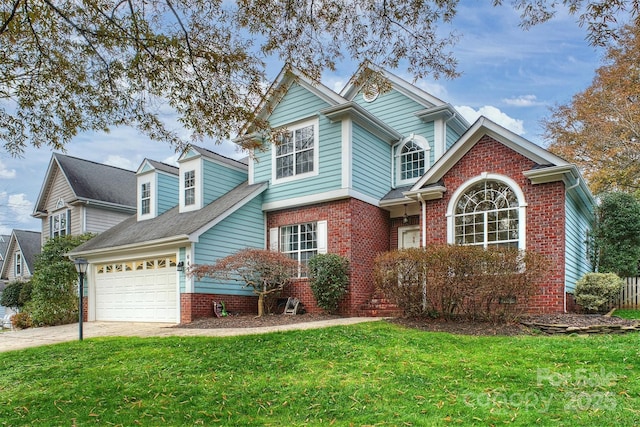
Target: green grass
x,y
627,314
368,374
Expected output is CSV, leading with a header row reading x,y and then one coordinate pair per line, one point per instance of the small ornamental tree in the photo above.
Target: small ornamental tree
x,y
328,274
14,294
54,295
264,271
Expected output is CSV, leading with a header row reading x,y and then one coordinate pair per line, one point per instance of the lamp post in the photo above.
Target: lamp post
x,y
81,267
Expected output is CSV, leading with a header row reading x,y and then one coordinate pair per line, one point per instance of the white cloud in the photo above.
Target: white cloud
x,y
523,101
121,162
493,114
5,172
21,207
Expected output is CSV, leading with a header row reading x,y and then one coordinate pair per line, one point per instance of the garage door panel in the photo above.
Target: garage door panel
x,y
147,295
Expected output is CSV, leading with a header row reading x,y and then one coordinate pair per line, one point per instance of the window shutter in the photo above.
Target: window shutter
x,y
50,227
273,239
68,221
321,231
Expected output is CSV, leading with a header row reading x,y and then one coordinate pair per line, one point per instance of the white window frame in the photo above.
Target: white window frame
x,y
291,129
18,264
56,219
421,142
522,206
145,196
276,243
191,188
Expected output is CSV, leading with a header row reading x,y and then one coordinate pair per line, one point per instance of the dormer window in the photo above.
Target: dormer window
x,y
189,188
145,198
296,152
412,159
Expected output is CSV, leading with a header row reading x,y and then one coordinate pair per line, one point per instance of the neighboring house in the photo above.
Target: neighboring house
x,y
22,249
79,196
356,173
4,243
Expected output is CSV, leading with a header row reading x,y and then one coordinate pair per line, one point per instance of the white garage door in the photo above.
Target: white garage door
x,y
141,290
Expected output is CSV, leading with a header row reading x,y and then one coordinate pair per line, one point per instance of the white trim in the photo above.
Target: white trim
x,y
251,168
322,237
274,239
195,165
327,196
316,152
439,139
397,157
152,180
522,205
347,149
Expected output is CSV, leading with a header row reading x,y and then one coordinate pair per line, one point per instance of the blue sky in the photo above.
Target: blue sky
x,y
509,75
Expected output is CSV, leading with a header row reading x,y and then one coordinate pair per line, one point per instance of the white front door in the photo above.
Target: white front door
x,y
408,237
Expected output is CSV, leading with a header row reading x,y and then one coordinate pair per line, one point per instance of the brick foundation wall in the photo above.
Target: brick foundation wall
x,y
357,231
194,306
545,213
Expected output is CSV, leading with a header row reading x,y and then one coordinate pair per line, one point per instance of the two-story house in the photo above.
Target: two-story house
x,y
80,196
20,256
355,173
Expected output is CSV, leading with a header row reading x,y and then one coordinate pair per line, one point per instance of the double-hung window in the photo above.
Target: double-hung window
x,y
145,198
59,224
296,151
300,241
189,188
411,159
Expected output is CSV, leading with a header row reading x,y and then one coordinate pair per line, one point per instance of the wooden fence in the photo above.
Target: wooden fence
x,y
629,294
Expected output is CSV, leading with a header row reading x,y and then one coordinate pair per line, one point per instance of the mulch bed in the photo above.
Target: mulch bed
x,y
425,324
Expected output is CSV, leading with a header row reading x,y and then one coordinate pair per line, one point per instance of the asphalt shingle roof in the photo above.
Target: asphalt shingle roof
x,y
169,224
31,244
95,181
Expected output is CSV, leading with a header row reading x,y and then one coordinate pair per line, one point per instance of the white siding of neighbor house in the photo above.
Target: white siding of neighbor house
x,y
99,220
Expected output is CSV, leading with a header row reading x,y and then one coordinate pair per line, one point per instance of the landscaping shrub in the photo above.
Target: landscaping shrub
x,y
595,291
328,275
54,297
21,320
472,282
12,296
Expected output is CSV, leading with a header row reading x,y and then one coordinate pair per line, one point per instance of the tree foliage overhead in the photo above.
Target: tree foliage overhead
x,y
71,66
599,129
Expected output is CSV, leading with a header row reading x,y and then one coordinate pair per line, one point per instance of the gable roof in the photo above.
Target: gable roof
x,y
289,75
29,243
549,166
92,182
4,244
160,166
170,227
238,164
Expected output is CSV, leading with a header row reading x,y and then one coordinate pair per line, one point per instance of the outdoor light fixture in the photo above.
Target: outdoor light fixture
x,y
180,266
81,267
405,218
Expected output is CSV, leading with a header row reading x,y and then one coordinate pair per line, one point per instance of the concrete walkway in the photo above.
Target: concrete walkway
x,y
34,337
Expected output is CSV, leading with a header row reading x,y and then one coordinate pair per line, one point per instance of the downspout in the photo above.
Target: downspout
x,y
423,215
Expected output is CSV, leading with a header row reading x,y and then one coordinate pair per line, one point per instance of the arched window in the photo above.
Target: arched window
x,y
411,159
489,212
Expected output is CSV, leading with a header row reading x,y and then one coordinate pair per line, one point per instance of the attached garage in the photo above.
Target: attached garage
x,y
140,290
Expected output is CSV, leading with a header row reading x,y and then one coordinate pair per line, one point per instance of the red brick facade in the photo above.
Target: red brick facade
x,y
357,231
545,213
194,306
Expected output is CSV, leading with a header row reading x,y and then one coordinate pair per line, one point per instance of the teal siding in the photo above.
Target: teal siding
x,y
371,164
300,104
219,179
242,229
297,104
579,220
451,137
181,278
167,196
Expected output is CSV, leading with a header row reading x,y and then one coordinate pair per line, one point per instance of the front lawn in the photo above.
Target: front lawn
x,y
367,374
627,314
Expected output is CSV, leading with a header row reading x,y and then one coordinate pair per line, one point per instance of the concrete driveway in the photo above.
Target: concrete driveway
x,y
34,337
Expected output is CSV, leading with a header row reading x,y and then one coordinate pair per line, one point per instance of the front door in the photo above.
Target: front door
x,y
408,237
